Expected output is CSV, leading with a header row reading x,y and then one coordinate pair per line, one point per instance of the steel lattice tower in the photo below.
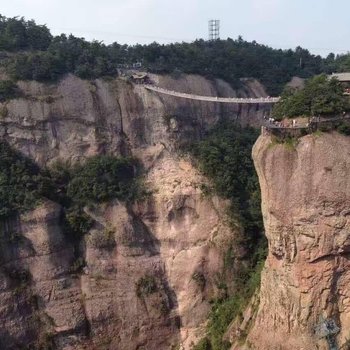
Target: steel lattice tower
x,y
214,29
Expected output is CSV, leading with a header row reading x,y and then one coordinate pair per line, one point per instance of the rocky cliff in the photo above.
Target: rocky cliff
x,y
75,118
143,276
306,206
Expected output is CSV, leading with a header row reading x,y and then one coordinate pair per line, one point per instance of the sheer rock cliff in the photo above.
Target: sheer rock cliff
x,y
306,206
47,293
75,118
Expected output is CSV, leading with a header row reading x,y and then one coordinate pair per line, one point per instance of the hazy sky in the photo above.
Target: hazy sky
x,y
319,25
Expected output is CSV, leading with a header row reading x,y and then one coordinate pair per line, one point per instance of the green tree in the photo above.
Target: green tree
x,y
38,37
103,178
326,95
222,155
8,90
227,59
320,96
20,180
17,34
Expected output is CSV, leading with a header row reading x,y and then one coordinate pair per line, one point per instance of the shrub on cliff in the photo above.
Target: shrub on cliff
x,y
320,96
76,222
224,156
20,182
146,285
8,90
344,129
103,178
204,344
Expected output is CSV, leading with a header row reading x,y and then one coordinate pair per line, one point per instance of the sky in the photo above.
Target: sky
x,y
321,26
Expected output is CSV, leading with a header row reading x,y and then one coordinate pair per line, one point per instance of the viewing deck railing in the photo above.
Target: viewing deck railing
x,y
314,124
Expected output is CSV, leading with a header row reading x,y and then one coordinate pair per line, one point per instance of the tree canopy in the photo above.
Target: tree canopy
x,y
17,34
103,178
320,96
20,182
224,156
36,54
8,90
23,184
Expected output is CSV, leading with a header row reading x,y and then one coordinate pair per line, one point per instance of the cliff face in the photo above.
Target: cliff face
x,y
306,207
75,119
151,268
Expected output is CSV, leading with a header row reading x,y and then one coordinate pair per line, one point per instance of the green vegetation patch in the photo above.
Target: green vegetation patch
x,y
101,178
321,96
200,280
36,54
146,285
18,34
76,222
21,182
344,128
8,91
232,305
204,344
224,156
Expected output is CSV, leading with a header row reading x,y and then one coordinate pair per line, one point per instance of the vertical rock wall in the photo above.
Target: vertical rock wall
x,y
306,206
142,278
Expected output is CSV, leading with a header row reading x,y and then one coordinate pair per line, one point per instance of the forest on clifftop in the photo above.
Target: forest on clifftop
x,y
29,51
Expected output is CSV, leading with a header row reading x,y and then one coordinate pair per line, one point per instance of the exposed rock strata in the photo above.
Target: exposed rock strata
x,y
306,207
76,118
176,234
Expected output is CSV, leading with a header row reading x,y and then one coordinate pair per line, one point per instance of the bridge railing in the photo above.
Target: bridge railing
x,y
256,100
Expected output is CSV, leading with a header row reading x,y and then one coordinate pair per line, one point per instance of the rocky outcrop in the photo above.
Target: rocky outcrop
x,y
40,293
306,205
142,278
93,298
75,118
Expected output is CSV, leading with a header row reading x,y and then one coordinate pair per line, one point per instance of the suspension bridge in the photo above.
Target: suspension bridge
x,y
254,100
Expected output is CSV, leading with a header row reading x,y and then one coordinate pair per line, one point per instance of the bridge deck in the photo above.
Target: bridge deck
x,y
257,100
